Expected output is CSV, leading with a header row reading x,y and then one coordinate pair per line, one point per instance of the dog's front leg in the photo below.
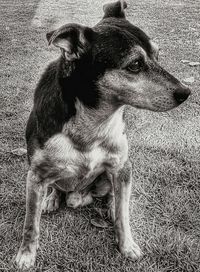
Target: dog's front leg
x,y
35,193
122,192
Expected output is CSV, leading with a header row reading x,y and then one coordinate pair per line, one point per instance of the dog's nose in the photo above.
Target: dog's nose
x,y
181,94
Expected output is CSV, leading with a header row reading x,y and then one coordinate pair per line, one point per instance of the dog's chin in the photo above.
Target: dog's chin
x,y
157,105
163,105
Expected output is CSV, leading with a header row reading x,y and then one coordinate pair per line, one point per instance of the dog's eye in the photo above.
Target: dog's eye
x,y
135,66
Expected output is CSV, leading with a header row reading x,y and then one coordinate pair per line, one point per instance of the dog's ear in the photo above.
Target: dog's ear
x,y
74,40
115,9
154,49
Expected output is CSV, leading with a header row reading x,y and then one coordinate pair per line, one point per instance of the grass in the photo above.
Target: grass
x,y
164,149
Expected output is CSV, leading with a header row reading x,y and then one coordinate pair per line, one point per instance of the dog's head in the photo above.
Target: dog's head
x,y
121,61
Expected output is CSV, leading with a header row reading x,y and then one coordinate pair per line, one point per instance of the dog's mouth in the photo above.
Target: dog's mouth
x,y
161,103
168,99
165,103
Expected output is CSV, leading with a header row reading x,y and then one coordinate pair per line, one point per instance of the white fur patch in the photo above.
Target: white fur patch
x,y
88,164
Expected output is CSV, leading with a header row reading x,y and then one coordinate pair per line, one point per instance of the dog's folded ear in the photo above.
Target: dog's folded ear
x,y
73,39
115,9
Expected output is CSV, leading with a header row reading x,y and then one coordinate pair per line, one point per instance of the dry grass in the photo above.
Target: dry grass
x,y
164,149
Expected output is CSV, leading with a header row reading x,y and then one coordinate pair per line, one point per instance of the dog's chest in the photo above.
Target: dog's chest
x,y
106,149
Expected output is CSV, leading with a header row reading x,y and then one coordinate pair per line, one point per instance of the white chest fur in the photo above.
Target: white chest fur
x,y
107,151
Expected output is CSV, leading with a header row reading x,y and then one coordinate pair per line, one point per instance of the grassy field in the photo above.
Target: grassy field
x,y
164,147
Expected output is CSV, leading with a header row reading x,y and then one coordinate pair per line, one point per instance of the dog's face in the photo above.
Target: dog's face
x,y
122,61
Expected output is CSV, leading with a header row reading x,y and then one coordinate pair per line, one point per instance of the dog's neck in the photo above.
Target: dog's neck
x,y
99,115
89,126
96,114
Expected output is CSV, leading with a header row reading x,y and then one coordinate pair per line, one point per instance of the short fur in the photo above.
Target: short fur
x,y
75,134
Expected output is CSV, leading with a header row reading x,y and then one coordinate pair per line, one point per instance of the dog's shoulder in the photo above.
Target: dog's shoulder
x,y
47,85
49,112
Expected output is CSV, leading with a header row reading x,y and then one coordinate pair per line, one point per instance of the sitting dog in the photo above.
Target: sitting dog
x,y
76,138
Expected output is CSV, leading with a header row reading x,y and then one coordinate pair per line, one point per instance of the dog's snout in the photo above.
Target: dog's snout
x,y
181,94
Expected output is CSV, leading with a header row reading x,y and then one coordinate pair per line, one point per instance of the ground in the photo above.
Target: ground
x,y
164,147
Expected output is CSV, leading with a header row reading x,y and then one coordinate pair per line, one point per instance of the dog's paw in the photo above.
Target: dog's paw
x,y
76,199
25,258
131,250
51,203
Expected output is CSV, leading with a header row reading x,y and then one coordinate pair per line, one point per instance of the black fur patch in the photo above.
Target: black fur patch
x,y
122,35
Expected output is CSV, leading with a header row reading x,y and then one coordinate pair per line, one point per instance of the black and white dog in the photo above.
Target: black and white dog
x,y
76,132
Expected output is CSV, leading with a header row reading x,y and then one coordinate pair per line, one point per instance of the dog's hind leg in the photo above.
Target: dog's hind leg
x,y
122,191
52,201
102,187
35,194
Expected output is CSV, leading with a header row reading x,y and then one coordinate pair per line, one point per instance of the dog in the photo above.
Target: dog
x,y
76,139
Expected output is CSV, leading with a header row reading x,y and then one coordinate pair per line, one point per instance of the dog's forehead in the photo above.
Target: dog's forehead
x,y
122,35
135,53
